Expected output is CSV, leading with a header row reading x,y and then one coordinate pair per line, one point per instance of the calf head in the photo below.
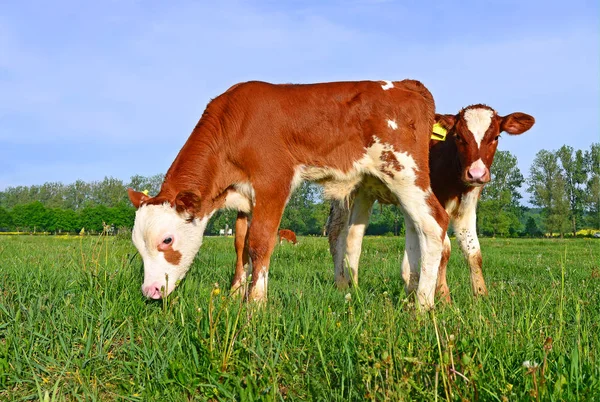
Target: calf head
x,y
475,131
167,234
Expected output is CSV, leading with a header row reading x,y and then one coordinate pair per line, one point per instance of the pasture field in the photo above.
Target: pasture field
x,y
74,326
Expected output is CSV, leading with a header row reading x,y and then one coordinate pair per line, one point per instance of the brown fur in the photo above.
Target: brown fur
x,y
287,235
449,161
260,133
172,256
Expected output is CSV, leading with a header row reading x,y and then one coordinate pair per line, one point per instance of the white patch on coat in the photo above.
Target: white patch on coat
x,y
152,224
241,198
451,207
478,121
392,124
388,85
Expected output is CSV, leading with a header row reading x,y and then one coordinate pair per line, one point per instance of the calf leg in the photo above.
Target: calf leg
x,y
442,289
337,233
430,221
242,264
412,256
466,234
359,219
262,237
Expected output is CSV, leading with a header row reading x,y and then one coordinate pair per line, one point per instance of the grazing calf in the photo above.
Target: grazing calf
x,y
462,149
257,142
288,235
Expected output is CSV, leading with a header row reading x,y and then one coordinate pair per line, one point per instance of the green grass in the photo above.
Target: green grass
x,y
74,326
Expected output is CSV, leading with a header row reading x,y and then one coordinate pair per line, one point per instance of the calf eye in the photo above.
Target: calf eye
x,y
496,139
168,240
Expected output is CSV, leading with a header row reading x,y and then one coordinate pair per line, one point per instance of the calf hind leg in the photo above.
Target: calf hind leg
x,y
430,222
242,264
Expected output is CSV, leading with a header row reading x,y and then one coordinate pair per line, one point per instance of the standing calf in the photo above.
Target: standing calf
x,y
257,142
459,168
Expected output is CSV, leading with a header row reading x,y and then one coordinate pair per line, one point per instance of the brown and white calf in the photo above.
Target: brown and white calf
x,y
255,143
287,235
459,168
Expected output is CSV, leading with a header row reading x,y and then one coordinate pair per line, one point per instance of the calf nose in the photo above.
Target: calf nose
x,y
478,172
152,291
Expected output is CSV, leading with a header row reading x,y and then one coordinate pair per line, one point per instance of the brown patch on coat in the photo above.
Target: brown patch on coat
x,y
172,256
390,164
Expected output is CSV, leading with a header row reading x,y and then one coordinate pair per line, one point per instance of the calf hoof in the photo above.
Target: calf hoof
x,y
480,290
238,290
443,293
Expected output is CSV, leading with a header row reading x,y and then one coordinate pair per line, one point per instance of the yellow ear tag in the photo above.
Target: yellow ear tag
x,y
439,132
145,192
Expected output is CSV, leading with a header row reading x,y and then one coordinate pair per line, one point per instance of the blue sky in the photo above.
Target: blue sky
x,y
114,88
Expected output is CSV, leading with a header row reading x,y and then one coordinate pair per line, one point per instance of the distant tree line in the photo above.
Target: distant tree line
x,y
564,187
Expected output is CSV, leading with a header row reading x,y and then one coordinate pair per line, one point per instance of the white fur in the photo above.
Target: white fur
x,y
358,221
412,255
388,85
451,207
242,198
152,224
392,124
260,288
413,199
465,224
478,121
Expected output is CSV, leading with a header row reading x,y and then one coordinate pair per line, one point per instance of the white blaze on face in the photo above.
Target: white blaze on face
x,y
392,124
388,85
154,223
478,121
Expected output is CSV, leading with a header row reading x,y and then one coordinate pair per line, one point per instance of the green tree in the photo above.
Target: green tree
x,y
592,199
573,167
66,220
531,228
299,214
220,220
499,207
547,188
150,183
109,192
32,216
6,221
385,219
77,195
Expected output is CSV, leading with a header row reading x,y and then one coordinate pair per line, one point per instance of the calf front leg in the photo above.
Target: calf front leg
x,y
466,234
442,289
262,237
242,263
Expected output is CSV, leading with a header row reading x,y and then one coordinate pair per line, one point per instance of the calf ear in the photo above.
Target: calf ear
x,y
516,123
136,197
445,120
187,202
